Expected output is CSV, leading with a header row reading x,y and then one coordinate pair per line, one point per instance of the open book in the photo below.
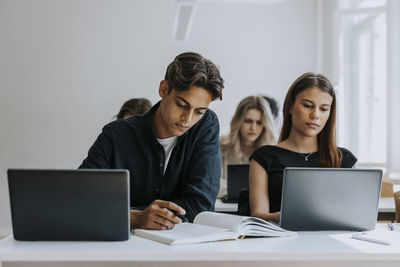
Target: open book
x,y
212,226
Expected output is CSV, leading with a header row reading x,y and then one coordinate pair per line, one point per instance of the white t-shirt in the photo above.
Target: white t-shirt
x,y
168,144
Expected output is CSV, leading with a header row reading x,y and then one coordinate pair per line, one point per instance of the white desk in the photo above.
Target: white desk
x,y
225,207
386,206
309,249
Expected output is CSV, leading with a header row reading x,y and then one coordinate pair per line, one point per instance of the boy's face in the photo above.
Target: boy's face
x,y
179,111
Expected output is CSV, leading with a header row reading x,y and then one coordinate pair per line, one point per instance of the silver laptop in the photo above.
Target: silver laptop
x,y
79,205
330,199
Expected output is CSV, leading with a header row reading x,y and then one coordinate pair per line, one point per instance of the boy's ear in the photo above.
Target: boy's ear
x,y
163,89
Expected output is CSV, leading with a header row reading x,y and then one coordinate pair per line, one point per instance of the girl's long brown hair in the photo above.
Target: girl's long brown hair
x,y
329,154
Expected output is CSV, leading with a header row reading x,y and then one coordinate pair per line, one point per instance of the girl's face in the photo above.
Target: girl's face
x,y
252,126
311,111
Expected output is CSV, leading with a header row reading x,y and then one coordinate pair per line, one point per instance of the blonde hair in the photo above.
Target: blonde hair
x,y
230,144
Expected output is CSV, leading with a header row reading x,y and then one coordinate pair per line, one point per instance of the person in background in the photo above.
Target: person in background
x,y
307,140
132,107
275,112
273,105
251,127
172,151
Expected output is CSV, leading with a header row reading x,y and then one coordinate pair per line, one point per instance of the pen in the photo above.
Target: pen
x,y
182,217
365,237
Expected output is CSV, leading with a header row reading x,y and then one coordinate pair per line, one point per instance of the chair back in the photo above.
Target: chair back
x,y
397,205
244,203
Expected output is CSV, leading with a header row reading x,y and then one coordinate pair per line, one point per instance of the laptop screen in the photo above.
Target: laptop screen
x,y
69,204
238,179
330,198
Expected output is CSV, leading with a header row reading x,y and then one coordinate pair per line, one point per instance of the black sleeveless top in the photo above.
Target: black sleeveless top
x,y
275,159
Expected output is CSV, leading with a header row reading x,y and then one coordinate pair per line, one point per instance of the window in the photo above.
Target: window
x,y
362,78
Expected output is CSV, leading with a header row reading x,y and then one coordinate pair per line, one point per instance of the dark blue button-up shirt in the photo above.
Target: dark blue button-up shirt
x,y
191,179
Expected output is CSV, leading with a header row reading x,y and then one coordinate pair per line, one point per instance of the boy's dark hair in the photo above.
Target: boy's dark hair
x,y
273,105
191,69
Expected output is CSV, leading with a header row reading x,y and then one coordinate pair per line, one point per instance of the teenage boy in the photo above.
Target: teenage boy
x,y
172,151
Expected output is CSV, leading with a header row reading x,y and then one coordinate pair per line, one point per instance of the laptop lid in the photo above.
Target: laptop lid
x,y
91,205
330,198
237,179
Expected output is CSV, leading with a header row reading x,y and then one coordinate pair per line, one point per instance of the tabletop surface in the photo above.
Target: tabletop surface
x,y
308,245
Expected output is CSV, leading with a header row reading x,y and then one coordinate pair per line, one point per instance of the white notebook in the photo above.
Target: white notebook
x,y
212,226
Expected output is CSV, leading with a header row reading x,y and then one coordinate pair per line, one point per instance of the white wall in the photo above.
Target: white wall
x,y
66,66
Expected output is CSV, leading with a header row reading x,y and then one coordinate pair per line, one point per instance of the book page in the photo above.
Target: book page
x,y
187,233
242,225
257,227
222,220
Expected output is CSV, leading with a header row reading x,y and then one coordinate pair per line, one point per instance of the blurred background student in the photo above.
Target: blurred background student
x,y
132,107
278,118
307,139
252,126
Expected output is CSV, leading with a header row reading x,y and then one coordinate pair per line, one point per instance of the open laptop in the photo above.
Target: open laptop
x,y
79,205
237,179
330,199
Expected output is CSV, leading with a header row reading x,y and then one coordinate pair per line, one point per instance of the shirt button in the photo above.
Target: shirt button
x,y
161,164
157,190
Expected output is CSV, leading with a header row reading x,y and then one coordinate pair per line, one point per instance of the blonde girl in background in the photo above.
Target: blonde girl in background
x,y
252,126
